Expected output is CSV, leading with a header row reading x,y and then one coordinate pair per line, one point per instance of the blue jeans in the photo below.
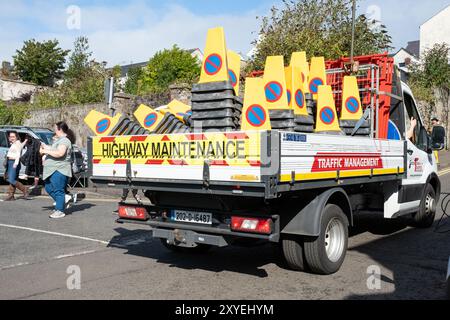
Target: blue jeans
x,y
13,174
55,186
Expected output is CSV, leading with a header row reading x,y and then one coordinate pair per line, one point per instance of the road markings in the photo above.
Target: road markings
x,y
444,172
80,202
55,233
71,255
15,266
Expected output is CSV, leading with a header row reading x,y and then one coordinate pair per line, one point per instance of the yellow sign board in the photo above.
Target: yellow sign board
x,y
221,149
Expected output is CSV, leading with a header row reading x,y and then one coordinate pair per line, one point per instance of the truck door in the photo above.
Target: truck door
x,y
420,164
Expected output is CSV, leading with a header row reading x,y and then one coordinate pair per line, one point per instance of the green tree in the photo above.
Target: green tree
x,y
168,67
40,62
89,88
78,60
430,81
319,27
5,114
14,114
134,81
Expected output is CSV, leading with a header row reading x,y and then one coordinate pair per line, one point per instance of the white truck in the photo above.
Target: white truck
x,y
301,190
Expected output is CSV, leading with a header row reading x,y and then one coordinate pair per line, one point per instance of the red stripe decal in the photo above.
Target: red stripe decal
x,y
219,163
107,139
254,163
121,161
166,138
236,136
177,162
195,137
154,162
138,139
96,161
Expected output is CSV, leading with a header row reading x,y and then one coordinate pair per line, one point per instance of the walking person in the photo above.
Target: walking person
x,y
13,166
57,167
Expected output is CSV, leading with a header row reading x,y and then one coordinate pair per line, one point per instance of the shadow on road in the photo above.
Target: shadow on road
x,y
78,208
416,258
233,259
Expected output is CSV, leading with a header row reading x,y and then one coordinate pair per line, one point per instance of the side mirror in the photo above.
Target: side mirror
x,y
438,138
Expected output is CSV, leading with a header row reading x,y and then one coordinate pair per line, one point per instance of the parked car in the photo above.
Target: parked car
x,y
44,135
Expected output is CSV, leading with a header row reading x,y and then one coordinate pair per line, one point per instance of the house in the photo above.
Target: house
x,y
403,59
435,30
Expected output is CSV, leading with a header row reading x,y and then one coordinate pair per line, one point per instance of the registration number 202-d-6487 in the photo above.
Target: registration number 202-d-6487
x,y
192,217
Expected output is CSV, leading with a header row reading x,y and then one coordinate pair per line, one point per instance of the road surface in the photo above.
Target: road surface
x,y
40,257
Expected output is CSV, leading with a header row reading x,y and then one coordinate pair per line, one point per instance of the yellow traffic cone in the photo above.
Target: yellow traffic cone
x,y
255,115
178,109
234,72
275,84
148,118
317,75
327,120
215,67
299,60
100,123
351,100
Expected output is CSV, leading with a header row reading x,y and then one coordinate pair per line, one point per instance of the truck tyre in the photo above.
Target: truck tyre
x,y
424,218
293,253
326,253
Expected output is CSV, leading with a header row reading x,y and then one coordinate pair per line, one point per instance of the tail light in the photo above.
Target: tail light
x,y
134,213
253,225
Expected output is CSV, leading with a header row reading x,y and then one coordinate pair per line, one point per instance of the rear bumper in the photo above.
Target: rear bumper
x,y
190,235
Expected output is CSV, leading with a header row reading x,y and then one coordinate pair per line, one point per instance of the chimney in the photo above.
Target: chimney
x,y
6,69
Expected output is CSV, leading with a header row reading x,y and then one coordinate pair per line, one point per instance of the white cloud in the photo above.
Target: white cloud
x,y
128,33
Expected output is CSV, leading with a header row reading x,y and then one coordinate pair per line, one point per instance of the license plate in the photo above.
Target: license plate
x,y
192,217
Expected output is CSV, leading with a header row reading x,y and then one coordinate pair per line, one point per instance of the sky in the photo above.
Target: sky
x,y
131,31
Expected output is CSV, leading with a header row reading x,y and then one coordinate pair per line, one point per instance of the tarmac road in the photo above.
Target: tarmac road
x,y
124,262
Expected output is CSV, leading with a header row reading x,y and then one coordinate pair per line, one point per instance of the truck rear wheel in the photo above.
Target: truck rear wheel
x,y
424,218
293,253
326,253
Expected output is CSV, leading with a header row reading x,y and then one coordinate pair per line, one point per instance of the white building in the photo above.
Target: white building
x,y
436,30
403,59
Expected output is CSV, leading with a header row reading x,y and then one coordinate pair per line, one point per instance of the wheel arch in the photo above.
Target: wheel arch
x,y
308,221
435,182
